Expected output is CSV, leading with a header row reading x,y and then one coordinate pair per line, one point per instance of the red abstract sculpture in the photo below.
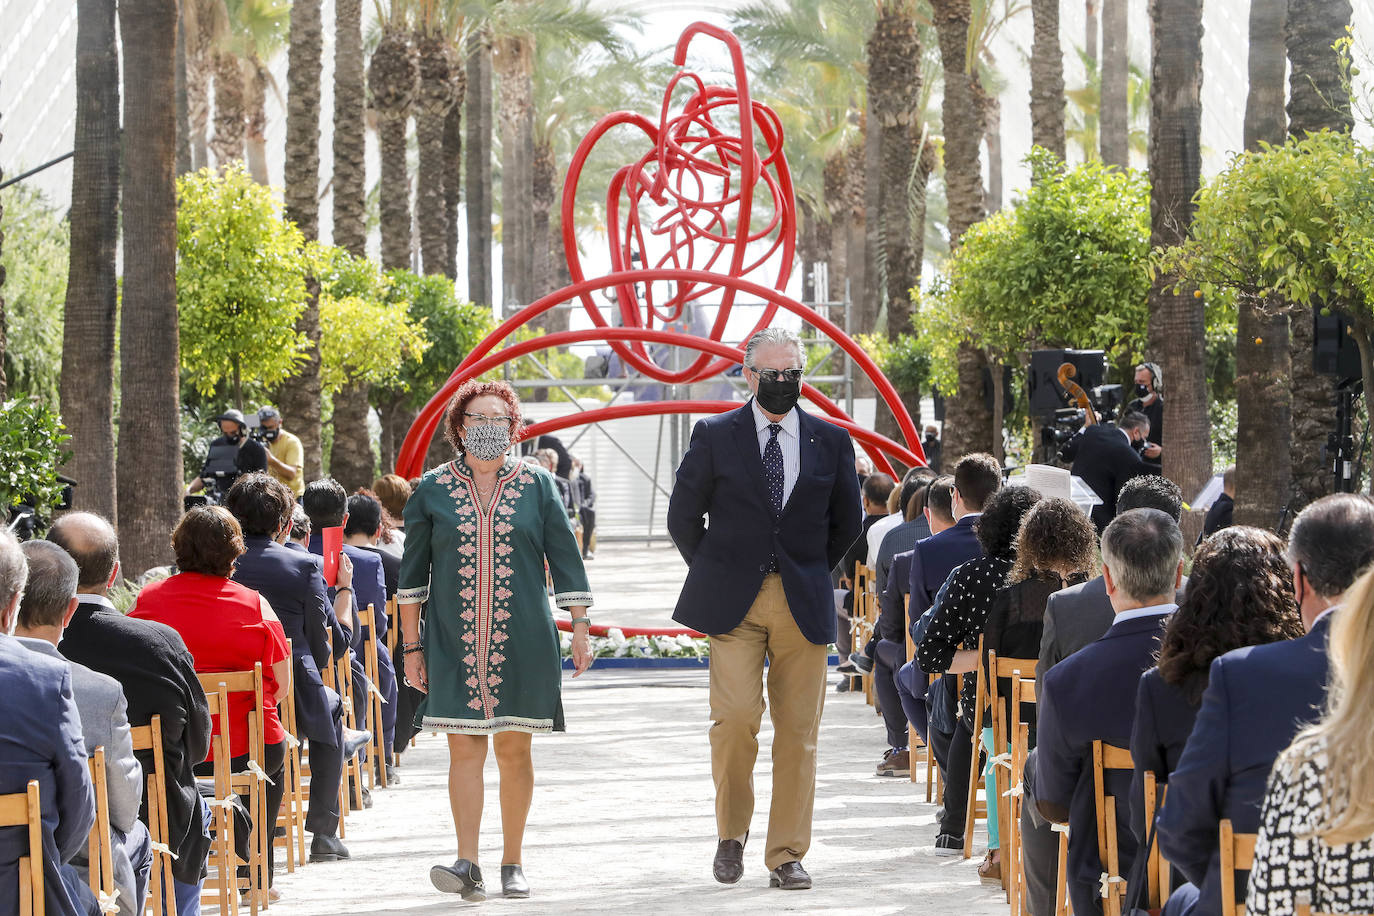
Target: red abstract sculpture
x,y
687,211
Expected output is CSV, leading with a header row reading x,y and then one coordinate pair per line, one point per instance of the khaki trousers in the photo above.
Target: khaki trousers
x,y
796,693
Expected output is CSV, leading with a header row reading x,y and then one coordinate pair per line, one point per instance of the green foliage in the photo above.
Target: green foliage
x,y
560,363
32,448
1222,417
240,283
367,334
1066,266
905,361
451,326
34,263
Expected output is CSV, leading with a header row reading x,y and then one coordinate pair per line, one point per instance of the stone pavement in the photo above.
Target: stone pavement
x,y
622,818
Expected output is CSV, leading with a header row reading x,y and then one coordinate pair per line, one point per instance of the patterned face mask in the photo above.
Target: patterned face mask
x,y
486,443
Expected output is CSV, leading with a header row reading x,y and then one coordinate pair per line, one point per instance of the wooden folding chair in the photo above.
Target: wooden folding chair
x,y
1062,906
1237,854
914,739
148,738
23,809
99,857
974,810
393,625
1022,691
376,770
1109,757
353,771
1157,870
934,777
221,885
329,674
291,818
250,783
872,610
998,670
859,628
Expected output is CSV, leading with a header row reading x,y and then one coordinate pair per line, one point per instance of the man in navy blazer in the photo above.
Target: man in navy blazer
x,y
1257,700
779,491
40,739
293,583
1090,696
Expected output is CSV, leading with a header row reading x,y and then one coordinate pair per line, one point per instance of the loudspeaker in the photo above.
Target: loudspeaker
x,y
1045,393
1334,351
1007,394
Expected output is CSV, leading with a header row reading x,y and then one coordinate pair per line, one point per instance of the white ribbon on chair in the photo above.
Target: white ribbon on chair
x,y
372,688
162,848
260,772
1106,881
348,704
1001,760
109,903
292,740
1060,828
1014,791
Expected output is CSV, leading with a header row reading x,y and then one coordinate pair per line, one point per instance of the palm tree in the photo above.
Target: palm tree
x,y
88,333
299,398
392,77
350,173
149,467
1047,78
1115,145
1316,101
436,95
260,34
453,162
197,26
1176,328
477,116
1263,366
230,128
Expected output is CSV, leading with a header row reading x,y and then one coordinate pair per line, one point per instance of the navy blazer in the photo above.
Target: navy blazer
x,y
40,738
1257,700
892,620
1163,721
1103,458
936,557
1090,696
292,581
721,478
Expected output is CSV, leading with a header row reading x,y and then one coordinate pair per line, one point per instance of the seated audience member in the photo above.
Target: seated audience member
x,y
1240,594
1055,546
1316,833
227,627
875,491
298,535
357,535
40,738
328,506
910,680
1091,695
896,515
1256,700
1223,510
1080,614
49,602
392,491
152,664
293,584
950,646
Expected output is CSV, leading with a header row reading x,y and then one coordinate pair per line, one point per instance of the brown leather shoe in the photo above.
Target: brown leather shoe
x,y
790,876
729,865
895,763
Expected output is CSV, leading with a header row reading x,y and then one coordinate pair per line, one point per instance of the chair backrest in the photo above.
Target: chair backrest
x,y
1157,869
998,670
1018,736
1109,757
148,738
246,681
100,864
1237,854
24,809
394,626
222,887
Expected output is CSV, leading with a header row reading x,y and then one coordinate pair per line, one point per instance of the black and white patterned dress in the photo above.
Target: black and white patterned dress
x,y
957,620
1292,863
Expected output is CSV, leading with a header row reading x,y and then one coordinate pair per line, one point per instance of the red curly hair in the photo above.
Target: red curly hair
x,y
470,390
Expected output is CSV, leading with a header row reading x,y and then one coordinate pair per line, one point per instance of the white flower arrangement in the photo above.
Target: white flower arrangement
x,y
615,644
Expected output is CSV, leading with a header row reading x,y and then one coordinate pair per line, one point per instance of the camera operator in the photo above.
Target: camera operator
x,y
285,455
1149,400
231,455
1105,457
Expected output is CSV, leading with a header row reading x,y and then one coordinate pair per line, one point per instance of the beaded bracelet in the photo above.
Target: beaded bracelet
x,y
586,620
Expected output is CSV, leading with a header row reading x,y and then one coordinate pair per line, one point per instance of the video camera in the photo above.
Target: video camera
x,y
1048,398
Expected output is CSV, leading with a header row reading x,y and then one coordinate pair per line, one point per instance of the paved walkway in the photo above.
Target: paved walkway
x,y
622,818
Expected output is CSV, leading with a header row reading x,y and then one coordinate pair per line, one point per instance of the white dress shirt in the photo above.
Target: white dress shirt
x,y
787,441
876,532
1153,610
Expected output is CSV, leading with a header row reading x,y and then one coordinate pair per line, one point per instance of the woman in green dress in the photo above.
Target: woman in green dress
x,y
478,532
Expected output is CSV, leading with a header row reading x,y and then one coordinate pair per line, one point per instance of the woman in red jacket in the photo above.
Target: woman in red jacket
x,y
227,627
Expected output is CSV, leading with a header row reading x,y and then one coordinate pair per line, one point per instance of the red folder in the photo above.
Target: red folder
x,y
332,545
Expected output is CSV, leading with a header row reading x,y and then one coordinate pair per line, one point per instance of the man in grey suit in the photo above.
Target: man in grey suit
x,y
48,603
1074,618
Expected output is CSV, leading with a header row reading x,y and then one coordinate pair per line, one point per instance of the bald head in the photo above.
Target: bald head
x,y
92,544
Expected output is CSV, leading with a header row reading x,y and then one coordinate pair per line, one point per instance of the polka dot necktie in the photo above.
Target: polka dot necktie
x,y
772,471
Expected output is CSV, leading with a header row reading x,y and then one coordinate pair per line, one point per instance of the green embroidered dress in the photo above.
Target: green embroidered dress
x,y
491,648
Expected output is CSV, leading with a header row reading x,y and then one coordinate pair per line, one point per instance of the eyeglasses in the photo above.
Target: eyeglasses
x,y
773,375
481,419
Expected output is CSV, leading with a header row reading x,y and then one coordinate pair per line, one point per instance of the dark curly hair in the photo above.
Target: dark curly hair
x,y
1002,514
473,388
1055,536
1240,593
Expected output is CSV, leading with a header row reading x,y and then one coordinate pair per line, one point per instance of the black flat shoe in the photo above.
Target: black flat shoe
x,y
729,864
461,878
790,876
513,883
327,849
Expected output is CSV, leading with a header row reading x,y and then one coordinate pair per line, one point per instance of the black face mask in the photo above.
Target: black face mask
x,y
1139,445
1142,391
778,397
271,434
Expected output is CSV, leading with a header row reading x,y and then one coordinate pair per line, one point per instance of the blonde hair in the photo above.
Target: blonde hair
x,y
1346,731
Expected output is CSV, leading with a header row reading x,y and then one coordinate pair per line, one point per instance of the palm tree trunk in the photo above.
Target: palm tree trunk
x,y
453,170
835,250
992,136
392,78
227,145
350,171
858,257
544,198
477,167
351,459
299,397
1047,78
434,100
1113,110
197,24
513,60
183,111
1264,466
88,332
1176,327
868,310
968,416
255,136
149,467
1316,100
1090,30
396,419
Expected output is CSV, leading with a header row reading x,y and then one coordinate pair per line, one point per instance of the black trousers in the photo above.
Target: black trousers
x,y
1039,848
888,656
274,765
326,773
960,757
